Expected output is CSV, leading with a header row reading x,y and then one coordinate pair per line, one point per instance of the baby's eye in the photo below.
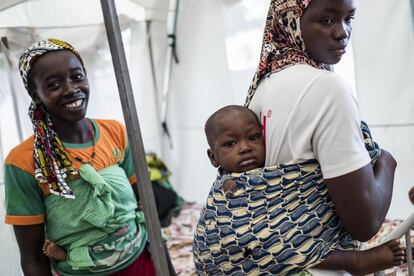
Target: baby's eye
x,y
229,144
255,137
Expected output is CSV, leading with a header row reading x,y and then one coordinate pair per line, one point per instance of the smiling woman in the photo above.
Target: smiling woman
x,y
71,181
59,81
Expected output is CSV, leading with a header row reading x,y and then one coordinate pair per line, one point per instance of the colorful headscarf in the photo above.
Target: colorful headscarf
x,y
282,44
52,163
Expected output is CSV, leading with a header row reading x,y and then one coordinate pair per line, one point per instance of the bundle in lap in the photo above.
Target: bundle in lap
x,y
276,220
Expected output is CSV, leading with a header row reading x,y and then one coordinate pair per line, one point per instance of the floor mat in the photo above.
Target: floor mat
x,y
180,236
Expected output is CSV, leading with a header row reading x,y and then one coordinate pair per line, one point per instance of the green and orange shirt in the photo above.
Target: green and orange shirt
x,y
29,202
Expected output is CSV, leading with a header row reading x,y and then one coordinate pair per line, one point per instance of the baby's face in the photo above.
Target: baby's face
x,y
239,146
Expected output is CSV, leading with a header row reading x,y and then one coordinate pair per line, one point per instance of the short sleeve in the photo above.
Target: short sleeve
x,y
128,165
337,140
24,198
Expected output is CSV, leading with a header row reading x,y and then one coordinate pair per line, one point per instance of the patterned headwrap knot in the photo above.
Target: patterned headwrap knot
x,y
52,163
282,44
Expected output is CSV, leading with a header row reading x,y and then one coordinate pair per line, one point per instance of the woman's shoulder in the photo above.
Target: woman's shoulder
x,y
303,69
110,126
109,123
293,77
112,130
332,84
21,156
310,80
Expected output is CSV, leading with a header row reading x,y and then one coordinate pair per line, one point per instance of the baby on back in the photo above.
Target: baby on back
x,y
273,220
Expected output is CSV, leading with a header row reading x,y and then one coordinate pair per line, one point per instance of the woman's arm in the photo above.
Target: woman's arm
x,y
30,239
362,197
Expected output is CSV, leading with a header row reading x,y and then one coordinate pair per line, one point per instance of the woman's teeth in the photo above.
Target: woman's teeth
x,y
74,104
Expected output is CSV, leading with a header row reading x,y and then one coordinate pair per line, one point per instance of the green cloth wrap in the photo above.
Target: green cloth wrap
x,y
104,203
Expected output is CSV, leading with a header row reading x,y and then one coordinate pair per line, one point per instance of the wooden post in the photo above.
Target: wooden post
x,y
134,136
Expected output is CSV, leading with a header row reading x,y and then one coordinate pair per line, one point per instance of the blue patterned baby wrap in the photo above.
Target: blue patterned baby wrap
x,y
275,220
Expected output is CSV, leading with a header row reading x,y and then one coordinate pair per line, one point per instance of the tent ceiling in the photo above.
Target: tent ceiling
x,y
23,21
4,4
148,4
63,13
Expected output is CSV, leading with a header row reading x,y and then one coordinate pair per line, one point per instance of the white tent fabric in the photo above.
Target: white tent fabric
x,y
212,73
200,84
384,66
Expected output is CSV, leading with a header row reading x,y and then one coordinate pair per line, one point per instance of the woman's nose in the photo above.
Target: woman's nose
x,y
342,31
71,87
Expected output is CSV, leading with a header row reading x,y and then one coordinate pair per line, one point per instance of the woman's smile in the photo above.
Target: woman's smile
x,y
75,104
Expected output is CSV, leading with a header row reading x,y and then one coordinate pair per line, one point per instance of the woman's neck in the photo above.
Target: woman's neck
x,y
74,132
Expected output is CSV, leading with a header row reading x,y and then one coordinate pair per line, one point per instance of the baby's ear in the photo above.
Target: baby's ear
x,y
212,157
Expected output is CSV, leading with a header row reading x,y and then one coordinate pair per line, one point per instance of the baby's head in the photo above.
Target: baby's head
x,y
235,138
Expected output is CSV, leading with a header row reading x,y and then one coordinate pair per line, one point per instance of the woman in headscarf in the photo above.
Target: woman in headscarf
x,y
329,193
71,181
309,112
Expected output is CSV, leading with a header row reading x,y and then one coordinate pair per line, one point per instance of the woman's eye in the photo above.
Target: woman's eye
x,y
78,77
349,19
53,85
327,21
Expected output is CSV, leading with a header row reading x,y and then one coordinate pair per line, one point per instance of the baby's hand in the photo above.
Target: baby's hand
x,y
411,195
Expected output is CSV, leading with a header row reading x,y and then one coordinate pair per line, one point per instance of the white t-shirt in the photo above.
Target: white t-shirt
x,y
308,113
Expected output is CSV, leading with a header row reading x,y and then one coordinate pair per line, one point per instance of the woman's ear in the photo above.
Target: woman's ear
x,y
35,97
212,157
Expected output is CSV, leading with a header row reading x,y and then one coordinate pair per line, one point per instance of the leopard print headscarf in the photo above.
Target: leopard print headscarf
x,y
282,44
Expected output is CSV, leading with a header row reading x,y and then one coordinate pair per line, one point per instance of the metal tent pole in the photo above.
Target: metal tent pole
x,y
134,136
171,56
155,84
408,245
412,11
